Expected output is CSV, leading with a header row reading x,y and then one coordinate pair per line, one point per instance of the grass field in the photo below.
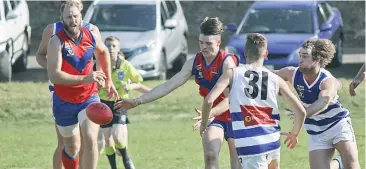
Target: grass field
x,y
160,133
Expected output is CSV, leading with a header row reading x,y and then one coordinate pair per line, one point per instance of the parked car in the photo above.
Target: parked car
x,y
14,37
286,25
153,34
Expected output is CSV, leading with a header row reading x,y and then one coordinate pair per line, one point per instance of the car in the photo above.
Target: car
x,y
286,25
153,34
14,37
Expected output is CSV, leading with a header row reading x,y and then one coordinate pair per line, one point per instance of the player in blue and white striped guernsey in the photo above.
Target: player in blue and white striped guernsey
x,y
328,123
253,107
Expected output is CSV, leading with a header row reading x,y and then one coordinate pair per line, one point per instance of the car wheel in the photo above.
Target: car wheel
x,y
22,62
182,58
338,56
5,67
162,67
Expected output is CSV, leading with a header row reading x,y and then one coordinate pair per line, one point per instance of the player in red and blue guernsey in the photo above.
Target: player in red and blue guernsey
x,y
41,57
207,67
70,69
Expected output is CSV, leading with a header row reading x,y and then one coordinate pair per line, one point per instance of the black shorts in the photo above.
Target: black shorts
x,y
116,119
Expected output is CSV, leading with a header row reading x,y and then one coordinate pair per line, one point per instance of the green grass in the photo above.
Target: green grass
x,y
160,133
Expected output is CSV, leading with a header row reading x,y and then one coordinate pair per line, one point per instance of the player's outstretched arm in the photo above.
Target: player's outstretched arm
x,y
295,104
161,90
328,90
285,73
357,80
103,58
220,86
41,55
54,63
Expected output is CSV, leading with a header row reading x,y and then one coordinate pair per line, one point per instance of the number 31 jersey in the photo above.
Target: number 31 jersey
x,y
254,110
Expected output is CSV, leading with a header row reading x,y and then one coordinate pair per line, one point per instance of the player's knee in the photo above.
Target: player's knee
x,y
72,149
211,157
90,141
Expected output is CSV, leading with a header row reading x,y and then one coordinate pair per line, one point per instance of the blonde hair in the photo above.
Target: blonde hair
x,y
71,3
113,38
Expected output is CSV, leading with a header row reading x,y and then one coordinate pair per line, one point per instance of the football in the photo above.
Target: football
x,y
99,113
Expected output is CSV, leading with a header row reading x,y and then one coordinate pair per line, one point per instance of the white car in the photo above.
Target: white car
x,y
153,34
14,37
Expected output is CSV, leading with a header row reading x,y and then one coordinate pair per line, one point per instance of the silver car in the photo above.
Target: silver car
x,y
153,34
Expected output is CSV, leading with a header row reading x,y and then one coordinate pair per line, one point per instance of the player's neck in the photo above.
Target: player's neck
x,y
258,63
73,37
310,77
209,59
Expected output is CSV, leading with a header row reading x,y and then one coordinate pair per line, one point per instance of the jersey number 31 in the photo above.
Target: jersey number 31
x,y
254,85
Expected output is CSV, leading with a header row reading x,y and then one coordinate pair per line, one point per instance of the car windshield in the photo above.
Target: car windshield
x,y
278,21
126,17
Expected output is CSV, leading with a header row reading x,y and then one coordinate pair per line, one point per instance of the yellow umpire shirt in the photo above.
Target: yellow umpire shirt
x,y
122,75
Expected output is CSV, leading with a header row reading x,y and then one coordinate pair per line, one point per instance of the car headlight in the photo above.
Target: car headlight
x,y
146,67
138,50
231,49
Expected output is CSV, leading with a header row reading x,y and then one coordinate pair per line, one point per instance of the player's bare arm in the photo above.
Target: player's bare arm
x,y
102,56
285,73
295,104
54,63
327,93
41,55
220,86
357,80
161,90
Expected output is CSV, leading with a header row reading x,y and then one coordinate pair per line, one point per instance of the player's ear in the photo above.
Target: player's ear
x,y
266,54
219,42
245,54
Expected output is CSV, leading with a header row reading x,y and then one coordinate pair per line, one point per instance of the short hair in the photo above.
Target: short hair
x,y
71,3
255,46
323,50
211,26
111,38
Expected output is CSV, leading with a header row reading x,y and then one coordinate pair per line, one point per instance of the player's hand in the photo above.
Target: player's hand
x,y
96,76
111,90
199,120
125,103
291,139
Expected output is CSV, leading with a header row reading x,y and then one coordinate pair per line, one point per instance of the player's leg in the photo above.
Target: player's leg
x,y
101,142
320,159
345,143
109,145
234,160
120,137
57,163
274,159
67,123
229,137
212,140
90,135
81,152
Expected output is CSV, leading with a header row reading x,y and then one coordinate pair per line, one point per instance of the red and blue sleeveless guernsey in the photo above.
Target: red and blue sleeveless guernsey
x,y
77,59
206,77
